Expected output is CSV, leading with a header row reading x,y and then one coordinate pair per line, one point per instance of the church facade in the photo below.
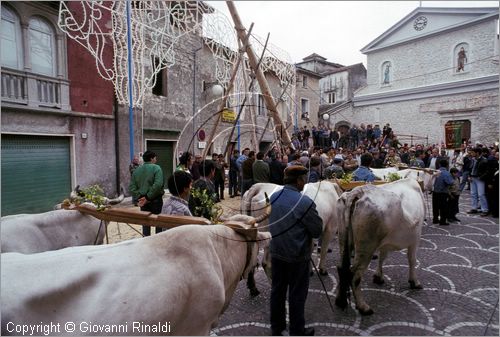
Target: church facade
x,y
434,76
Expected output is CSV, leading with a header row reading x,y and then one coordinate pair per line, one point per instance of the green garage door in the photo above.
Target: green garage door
x,y
165,152
36,173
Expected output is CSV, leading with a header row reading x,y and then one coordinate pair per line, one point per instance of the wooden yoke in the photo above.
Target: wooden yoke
x,y
249,232
132,216
266,91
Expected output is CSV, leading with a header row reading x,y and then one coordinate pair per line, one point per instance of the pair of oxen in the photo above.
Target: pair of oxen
x,y
52,271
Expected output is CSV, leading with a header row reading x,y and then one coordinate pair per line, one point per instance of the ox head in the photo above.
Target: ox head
x,y
77,196
426,178
250,220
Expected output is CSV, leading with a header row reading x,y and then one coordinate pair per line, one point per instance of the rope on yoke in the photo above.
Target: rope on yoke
x,y
98,231
323,284
126,223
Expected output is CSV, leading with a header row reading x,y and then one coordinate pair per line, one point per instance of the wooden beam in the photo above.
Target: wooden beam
x,y
266,91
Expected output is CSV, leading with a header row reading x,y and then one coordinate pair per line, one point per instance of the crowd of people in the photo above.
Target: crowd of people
x,y
475,168
369,135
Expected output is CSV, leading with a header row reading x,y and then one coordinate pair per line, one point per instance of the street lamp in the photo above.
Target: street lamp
x,y
214,89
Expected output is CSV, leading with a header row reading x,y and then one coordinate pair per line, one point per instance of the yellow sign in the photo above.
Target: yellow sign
x,y
228,116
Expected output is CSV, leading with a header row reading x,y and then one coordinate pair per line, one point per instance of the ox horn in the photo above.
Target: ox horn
x,y
76,194
116,200
267,211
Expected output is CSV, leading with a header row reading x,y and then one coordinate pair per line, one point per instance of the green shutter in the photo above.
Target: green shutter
x,y
36,173
165,152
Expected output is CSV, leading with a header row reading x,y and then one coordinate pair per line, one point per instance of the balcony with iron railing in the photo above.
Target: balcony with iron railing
x,y
34,90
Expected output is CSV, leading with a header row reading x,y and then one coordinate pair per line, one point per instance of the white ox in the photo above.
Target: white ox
x,y
36,233
426,176
182,279
386,218
382,173
324,194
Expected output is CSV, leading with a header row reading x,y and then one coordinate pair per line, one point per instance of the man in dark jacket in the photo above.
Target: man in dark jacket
x,y
440,194
478,177
247,172
260,170
294,222
276,170
146,185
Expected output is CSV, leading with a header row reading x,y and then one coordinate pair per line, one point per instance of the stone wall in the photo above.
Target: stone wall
x,y
427,117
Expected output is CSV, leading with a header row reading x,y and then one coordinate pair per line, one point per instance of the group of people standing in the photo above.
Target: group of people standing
x,y
147,186
345,137
476,167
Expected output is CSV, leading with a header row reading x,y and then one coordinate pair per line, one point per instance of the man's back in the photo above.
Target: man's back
x,y
293,222
261,173
147,180
247,168
276,173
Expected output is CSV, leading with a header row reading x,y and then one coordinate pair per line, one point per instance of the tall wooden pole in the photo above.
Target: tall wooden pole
x,y
266,91
252,110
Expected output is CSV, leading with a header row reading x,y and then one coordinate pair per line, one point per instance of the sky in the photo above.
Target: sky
x,y
336,30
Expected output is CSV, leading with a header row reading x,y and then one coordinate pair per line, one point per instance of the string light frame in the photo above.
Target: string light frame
x,y
157,27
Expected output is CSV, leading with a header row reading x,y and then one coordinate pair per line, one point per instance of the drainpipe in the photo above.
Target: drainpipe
x,y
194,92
117,146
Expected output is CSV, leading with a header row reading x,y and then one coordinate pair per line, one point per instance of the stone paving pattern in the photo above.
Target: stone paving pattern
x,y
458,265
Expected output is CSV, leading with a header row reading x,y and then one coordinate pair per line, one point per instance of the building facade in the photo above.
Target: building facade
x,y
308,97
57,116
338,86
62,126
434,77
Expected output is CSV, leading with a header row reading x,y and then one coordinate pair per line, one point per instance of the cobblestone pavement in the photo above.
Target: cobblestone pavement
x,y
458,266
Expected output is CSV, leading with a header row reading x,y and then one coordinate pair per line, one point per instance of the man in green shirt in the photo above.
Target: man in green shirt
x,y
146,186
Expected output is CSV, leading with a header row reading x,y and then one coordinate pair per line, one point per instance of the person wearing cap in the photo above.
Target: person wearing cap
x,y
293,223
146,186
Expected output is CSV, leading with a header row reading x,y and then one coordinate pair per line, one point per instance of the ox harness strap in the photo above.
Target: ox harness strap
x,y
248,257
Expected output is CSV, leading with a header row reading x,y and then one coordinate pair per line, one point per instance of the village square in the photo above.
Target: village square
x,y
168,171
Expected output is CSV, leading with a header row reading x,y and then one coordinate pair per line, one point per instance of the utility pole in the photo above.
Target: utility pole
x,y
266,91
